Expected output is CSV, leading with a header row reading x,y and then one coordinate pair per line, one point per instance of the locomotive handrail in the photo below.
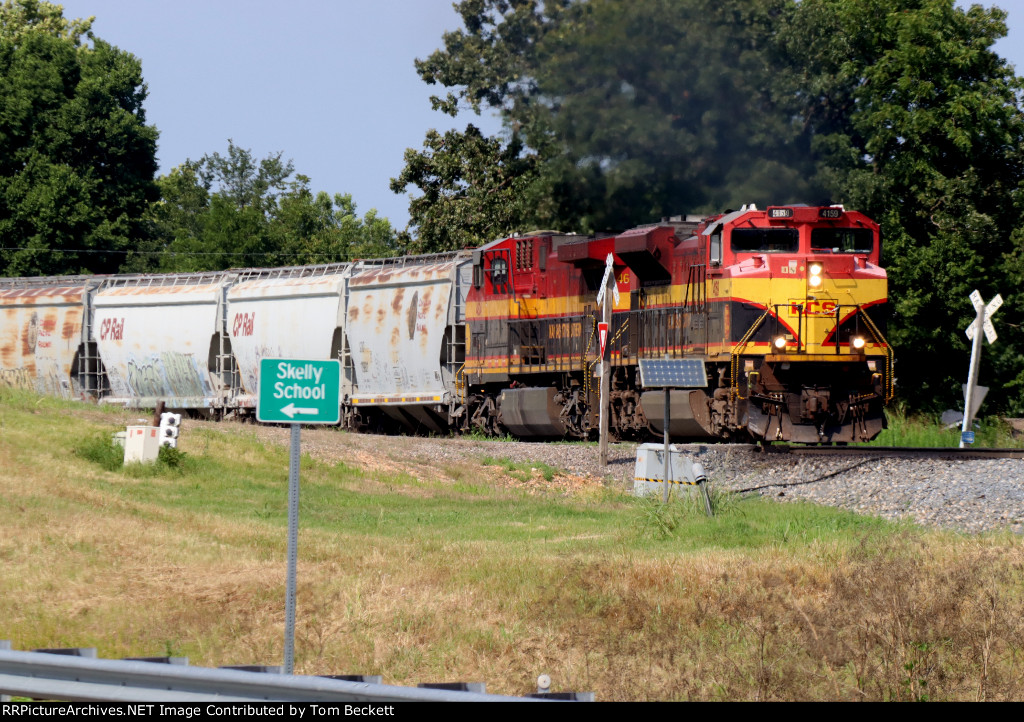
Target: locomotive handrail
x,y
461,371
888,353
737,349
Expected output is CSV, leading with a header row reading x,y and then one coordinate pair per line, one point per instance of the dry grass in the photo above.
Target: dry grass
x,y
445,576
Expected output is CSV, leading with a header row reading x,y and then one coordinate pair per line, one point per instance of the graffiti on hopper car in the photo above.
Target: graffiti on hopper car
x,y
20,378
171,373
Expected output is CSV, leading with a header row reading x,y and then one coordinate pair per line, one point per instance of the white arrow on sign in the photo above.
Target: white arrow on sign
x,y
291,409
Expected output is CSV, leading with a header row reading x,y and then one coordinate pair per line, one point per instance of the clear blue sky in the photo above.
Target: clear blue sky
x,y
331,83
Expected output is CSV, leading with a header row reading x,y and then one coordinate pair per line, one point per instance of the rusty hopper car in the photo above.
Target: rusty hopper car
x,y
45,338
161,338
295,312
405,334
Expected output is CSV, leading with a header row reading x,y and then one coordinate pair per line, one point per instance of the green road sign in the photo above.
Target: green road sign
x,y
299,391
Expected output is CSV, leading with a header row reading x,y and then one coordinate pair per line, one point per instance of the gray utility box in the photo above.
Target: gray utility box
x,y
649,474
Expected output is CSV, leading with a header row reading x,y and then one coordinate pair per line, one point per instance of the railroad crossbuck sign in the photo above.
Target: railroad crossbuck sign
x,y
609,274
299,391
990,310
983,319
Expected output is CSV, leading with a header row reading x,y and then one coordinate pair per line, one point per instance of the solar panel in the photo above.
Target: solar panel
x,y
679,373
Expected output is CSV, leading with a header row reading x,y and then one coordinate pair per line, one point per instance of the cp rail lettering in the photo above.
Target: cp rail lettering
x,y
113,329
244,323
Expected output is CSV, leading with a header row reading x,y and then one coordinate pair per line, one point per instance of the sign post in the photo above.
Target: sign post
x,y
295,392
604,299
982,321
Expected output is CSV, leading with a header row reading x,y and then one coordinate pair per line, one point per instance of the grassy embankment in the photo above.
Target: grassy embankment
x,y
456,578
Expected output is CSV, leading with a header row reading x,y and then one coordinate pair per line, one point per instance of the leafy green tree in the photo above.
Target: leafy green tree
x,y
77,159
233,210
616,114
660,107
917,122
473,188
324,229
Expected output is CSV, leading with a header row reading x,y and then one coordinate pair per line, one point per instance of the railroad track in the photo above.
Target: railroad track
x,y
898,452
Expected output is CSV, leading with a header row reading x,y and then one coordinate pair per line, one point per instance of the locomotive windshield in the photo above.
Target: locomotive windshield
x,y
765,240
842,240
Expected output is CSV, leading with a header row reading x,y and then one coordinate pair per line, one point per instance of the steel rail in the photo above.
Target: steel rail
x,y
900,452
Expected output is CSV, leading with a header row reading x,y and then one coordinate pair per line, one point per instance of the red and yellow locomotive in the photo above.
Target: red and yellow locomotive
x,y
783,306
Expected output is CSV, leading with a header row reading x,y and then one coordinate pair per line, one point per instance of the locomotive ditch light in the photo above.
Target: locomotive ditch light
x,y
779,342
814,275
858,342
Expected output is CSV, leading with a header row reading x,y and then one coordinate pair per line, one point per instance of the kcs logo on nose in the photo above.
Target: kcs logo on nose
x,y
812,308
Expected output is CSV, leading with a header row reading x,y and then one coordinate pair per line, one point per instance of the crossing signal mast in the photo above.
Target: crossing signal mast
x,y
982,321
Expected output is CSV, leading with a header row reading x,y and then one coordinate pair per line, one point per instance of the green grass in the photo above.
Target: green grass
x,y
921,430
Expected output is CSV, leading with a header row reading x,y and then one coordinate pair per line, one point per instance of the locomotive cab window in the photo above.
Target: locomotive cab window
x,y
765,240
842,240
716,249
499,274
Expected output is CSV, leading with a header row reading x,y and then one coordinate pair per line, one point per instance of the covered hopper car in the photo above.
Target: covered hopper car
x,y
782,309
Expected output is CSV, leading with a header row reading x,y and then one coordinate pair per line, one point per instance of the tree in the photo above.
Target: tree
x,y
663,107
618,113
323,229
916,121
474,188
233,210
77,159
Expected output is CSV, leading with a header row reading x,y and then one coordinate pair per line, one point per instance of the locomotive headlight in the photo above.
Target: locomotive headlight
x,y
858,342
814,275
779,342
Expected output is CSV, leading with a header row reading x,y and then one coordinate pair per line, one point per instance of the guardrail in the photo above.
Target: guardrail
x,y
78,676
